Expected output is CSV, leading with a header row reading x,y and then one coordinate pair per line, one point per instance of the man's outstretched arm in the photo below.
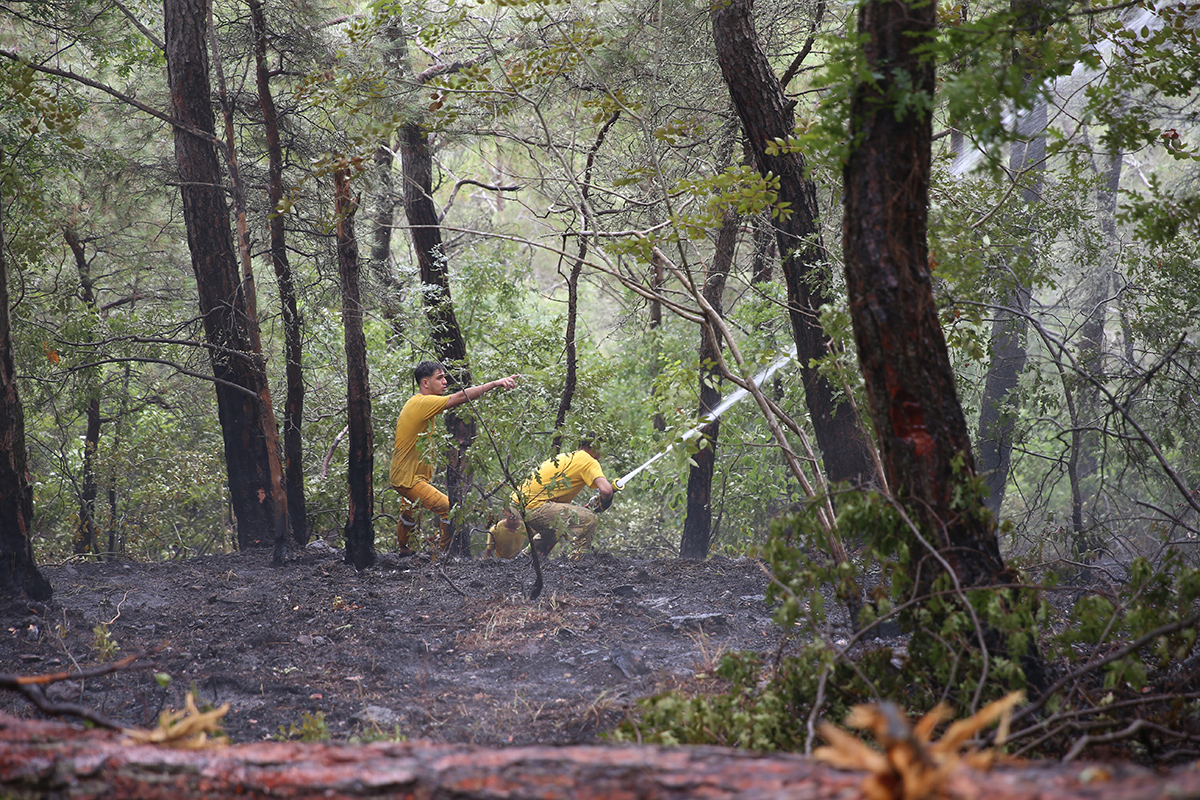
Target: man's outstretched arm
x,y
475,392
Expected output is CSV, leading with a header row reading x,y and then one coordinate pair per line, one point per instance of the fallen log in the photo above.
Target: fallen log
x,y
58,760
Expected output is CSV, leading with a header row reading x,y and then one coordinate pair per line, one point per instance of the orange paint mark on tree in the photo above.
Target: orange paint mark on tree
x,y
908,422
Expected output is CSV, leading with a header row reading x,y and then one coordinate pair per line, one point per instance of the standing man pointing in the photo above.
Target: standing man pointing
x,y
411,469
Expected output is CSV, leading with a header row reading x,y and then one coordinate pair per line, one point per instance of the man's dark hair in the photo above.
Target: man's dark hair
x,y
426,369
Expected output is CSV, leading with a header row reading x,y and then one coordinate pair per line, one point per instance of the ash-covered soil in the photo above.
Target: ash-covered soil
x,y
453,651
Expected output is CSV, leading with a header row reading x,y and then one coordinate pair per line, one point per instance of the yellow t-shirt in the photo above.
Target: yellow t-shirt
x,y
415,427
559,479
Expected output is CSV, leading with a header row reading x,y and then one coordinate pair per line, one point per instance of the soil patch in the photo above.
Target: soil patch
x,y
452,651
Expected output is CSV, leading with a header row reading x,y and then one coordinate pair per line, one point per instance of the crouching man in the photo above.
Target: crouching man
x,y
546,499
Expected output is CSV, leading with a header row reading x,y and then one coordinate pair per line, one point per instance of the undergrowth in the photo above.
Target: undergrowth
x,y
1091,670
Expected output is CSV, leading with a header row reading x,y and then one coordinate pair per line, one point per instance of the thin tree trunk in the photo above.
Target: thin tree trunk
x,y
87,540
383,217
1091,333
359,533
19,575
767,116
293,410
451,349
657,276
697,524
243,394
568,392
999,406
383,220
115,546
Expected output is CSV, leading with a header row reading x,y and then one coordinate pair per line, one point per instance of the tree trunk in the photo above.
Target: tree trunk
x,y
293,410
924,444
116,542
697,524
1085,439
451,349
998,409
359,533
87,539
568,392
243,394
383,216
766,116
19,576
383,220
51,759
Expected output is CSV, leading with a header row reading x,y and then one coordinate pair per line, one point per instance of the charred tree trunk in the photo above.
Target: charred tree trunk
x,y
19,575
87,539
243,394
359,533
697,524
568,392
293,409
766,116
451,349
923,438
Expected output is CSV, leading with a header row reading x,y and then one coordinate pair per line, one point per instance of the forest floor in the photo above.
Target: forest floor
x,y
451,651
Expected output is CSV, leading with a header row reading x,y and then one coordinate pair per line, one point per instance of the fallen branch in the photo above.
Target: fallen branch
x,y
31,687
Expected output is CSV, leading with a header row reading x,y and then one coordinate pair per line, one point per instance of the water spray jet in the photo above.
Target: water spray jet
x,y
695,433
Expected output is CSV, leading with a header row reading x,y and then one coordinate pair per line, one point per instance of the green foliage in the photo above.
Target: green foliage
x,y
103,644
311,728
754,713
1154,598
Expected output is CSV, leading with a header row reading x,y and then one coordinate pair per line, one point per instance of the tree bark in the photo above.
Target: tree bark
x,y
19,575
51,759
243,394
923,438
424,226
766,115
293,326
697,523
359,532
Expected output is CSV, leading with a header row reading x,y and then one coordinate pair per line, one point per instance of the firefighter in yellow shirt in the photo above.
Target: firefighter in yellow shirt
x,y
546,499
410,470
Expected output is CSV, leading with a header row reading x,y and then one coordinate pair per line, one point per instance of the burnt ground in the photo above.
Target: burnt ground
x,y
451,652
